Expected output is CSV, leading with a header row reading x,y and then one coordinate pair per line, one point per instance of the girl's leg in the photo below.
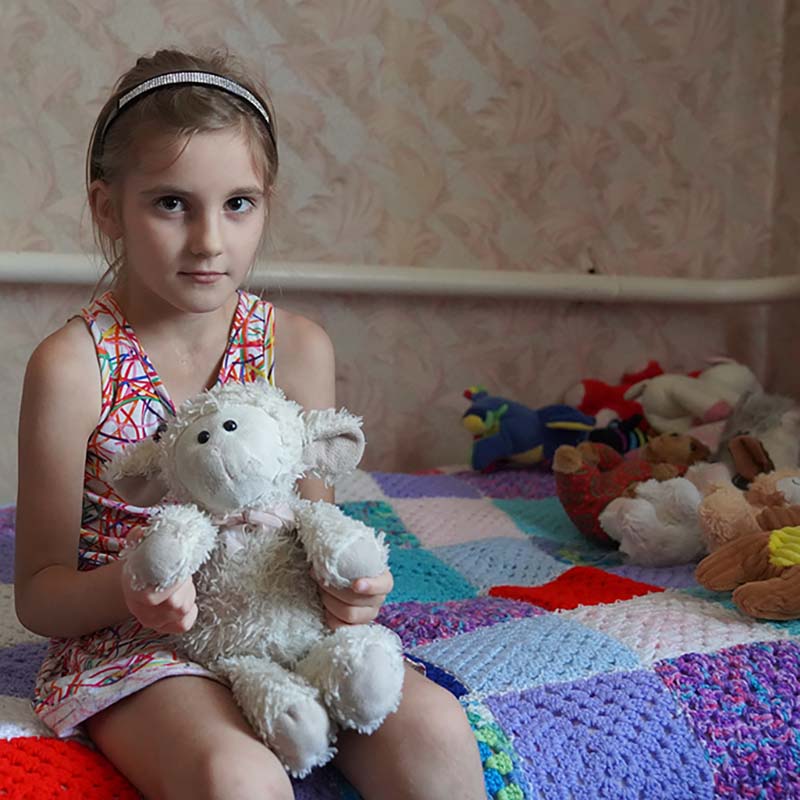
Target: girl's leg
x,y
426,750
185,737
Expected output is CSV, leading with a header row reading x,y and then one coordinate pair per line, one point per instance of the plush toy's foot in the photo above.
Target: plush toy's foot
x,y
777,598
737,562
300,737
589,453
284,710
567,460
359,671
371,690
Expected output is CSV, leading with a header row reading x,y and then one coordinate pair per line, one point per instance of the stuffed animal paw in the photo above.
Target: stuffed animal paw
x,y
762,569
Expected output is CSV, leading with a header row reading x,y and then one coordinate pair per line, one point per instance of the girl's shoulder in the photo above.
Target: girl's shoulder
x,y
63,369
68,351
305,360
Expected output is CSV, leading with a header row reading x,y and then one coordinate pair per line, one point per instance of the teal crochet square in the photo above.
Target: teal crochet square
x,y
382,517
544,518
419,575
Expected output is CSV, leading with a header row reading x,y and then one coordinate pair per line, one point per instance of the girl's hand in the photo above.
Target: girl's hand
x,y
171,611
356,605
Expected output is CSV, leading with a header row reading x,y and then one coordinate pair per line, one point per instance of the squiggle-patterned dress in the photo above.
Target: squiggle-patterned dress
x,y
80,677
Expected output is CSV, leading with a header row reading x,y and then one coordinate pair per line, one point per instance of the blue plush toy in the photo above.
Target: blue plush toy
x,y
508,431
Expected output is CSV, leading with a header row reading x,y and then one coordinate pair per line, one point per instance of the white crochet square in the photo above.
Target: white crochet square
x,y
17,719
440,521
11,632
669,624
358,486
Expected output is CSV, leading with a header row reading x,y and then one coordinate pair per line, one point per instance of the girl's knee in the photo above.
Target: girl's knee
x,y
236,772
433,716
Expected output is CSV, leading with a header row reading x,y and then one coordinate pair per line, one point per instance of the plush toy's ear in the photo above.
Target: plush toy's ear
x,y
635,391
334,443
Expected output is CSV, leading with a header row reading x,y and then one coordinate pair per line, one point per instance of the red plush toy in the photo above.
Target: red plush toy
x,y
591,475
592,396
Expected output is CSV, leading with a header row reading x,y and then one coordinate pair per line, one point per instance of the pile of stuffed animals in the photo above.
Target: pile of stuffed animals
x,y
681,468
624,416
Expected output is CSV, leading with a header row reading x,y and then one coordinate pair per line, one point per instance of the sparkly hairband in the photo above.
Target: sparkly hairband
x,y
184,79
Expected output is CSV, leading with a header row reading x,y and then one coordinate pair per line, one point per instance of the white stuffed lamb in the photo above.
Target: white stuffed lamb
x,y
232,518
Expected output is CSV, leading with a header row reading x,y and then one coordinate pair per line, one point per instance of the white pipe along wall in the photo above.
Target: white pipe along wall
x,y
77,270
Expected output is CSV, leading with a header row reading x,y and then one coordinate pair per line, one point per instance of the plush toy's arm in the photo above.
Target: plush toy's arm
x,y
176,541
339,548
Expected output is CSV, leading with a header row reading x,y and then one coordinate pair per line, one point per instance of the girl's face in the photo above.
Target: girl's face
x,y
190,215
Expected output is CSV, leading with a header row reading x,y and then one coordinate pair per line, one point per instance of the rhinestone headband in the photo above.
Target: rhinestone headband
x,y
188,79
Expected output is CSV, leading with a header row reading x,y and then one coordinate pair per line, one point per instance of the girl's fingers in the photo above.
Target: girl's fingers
x,y
348,614
363,591
379,585
353,598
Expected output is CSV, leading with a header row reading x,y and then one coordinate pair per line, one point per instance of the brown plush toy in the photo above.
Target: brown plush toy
x,y
762,569
591,475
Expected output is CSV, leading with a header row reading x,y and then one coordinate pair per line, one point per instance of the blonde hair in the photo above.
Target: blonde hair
x,y
182,111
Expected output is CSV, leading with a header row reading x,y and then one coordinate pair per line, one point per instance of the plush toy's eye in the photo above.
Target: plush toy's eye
x,y
203,437
229,425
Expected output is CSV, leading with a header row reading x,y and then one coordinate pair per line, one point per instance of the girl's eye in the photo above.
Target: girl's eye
x,y
170,203
240,205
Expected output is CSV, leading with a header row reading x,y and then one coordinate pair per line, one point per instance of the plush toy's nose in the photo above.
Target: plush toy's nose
x,y
474,424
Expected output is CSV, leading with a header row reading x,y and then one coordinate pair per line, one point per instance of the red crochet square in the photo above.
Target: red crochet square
x,y
579,586
33,767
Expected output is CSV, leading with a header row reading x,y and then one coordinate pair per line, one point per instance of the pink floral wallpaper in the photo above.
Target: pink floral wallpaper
x,y
617,136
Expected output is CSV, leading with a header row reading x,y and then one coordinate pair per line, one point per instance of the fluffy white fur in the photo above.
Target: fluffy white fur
x,y
660,525
231,454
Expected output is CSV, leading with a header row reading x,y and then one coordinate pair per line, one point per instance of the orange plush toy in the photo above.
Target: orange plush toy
x,y
591,475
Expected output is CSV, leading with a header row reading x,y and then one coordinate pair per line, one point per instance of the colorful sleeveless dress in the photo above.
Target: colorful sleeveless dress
x,y
82,676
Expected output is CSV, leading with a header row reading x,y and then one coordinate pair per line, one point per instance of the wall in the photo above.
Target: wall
x,y
618,137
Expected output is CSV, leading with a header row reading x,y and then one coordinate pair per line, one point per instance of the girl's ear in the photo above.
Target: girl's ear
x,y
104,209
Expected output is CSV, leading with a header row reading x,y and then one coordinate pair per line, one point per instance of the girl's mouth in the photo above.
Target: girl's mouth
x,y
203,277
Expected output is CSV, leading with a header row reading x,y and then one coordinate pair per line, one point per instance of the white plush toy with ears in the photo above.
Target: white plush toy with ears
x,y
676,403
232,518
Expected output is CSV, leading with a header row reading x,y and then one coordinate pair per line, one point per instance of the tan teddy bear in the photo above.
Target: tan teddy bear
x,y
728,513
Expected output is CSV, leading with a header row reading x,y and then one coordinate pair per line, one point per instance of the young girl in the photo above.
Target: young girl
x,y
181,166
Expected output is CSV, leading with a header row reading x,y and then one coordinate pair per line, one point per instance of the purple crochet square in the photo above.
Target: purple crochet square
x,y
398,484
324,784
18,667
419,623
512,483
7,523
679,577
6,555
616,736
743,703
8,516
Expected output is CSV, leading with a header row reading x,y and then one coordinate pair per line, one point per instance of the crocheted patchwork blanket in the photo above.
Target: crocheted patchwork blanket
x,y
583,678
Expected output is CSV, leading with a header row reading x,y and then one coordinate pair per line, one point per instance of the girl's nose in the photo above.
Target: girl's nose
x,y
206,238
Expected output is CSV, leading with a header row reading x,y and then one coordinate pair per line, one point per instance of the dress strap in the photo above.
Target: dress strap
x,y
251,351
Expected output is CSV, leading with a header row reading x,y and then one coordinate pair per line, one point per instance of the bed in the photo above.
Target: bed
x,y
583,678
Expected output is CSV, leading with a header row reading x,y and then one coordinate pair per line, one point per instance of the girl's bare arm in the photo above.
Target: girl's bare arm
x,y
306,372
60,408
